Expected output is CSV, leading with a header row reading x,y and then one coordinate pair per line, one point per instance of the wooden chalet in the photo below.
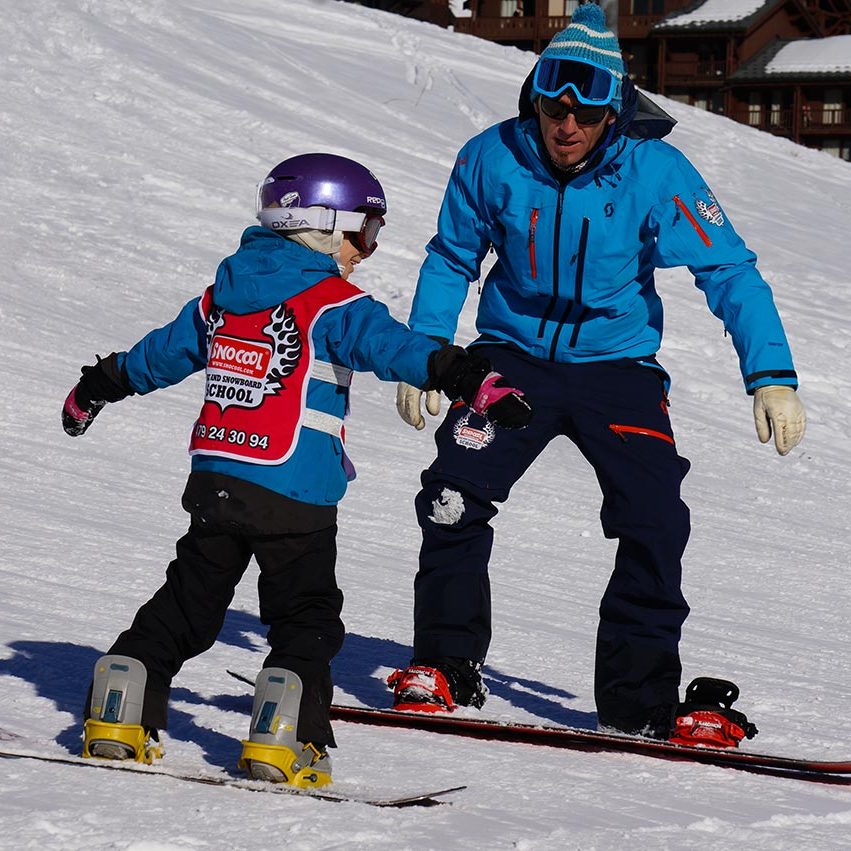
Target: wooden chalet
x,y
432,11
698,52
737,67
795,89
527,24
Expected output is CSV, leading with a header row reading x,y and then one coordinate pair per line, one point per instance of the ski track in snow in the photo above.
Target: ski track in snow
x,y
132,134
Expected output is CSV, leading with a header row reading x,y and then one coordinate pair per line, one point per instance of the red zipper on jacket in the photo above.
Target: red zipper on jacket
x,y
622,430
533,226
693,221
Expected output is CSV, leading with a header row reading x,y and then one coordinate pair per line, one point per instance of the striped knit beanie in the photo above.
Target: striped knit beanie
x,y
587,38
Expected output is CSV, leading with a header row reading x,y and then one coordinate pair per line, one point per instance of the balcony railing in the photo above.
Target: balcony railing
x,y
825,118
774,120
812,119
636,26
513,29
690,70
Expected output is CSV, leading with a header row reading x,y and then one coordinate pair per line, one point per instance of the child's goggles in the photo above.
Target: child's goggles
x,y
366,239
363,227
591,85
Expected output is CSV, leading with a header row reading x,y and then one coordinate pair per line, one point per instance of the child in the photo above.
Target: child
x,y
279,334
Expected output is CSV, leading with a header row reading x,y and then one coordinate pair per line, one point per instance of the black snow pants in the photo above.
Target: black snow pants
x,y
300,602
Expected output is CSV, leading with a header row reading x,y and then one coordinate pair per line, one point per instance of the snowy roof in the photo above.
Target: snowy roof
x,y
813,56
717,14
803,58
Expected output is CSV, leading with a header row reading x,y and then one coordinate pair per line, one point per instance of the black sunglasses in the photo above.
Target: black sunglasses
x,y
558,111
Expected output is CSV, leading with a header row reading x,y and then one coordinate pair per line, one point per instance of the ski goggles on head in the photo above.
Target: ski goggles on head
x,y
591,85
558,111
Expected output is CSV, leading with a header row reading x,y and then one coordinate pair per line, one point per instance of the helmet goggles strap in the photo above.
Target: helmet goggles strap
x,y
310,218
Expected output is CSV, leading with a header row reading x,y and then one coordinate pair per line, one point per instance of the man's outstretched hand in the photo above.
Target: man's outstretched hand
x,y
777,410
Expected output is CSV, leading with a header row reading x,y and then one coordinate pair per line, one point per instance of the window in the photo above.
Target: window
x,y
776,114
755,109
570,6
648,7
832,106
837,148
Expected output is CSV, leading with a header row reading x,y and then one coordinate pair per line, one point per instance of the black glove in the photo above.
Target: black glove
x,y
460,374
104,382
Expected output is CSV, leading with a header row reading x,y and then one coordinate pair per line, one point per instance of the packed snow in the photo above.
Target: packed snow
x,y
132,133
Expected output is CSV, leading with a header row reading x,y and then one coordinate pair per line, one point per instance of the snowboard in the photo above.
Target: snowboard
x,y
419,799
574,738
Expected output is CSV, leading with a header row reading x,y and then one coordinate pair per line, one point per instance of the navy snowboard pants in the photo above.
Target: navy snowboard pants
x,y
616,413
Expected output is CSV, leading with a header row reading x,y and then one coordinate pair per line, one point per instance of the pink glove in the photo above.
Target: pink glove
x,y
501,403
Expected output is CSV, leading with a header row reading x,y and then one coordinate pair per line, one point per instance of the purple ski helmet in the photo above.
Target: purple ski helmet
x,y
323,180
324,195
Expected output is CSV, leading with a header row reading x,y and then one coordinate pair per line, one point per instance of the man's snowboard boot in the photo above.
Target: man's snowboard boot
x,y
437,685
272,751
113,729
705,718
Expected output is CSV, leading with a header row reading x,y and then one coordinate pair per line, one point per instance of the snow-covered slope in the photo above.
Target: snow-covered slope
x,y
131,135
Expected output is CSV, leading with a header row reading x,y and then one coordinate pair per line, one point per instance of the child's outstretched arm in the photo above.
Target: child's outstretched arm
x,y
104,382
366,338
161,358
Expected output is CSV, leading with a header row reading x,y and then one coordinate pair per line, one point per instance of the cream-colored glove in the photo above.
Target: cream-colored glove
x,y
408,404
777,410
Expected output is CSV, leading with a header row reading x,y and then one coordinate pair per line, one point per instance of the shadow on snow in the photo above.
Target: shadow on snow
x,y
61,672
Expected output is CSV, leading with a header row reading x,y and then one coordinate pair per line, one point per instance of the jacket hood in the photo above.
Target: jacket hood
x,y
266,270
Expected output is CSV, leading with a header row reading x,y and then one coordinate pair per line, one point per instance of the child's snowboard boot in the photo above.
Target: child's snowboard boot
x,y
272,751
113,729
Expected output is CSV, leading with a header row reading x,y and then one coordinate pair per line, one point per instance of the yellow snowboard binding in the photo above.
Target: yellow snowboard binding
x,y
113,729
272,751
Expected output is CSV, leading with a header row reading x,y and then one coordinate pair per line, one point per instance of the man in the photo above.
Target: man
x,y
580,211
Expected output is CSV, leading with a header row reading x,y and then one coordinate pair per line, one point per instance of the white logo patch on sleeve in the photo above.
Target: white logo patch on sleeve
x,y
710,210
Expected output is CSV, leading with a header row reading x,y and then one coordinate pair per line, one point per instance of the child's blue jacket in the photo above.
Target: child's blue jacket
x,y
265,271
574,274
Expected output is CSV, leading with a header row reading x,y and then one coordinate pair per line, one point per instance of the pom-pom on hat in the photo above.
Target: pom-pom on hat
x,y
587,39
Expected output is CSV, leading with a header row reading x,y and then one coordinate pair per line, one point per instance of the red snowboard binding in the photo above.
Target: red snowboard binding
x,y
705,718
418,688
